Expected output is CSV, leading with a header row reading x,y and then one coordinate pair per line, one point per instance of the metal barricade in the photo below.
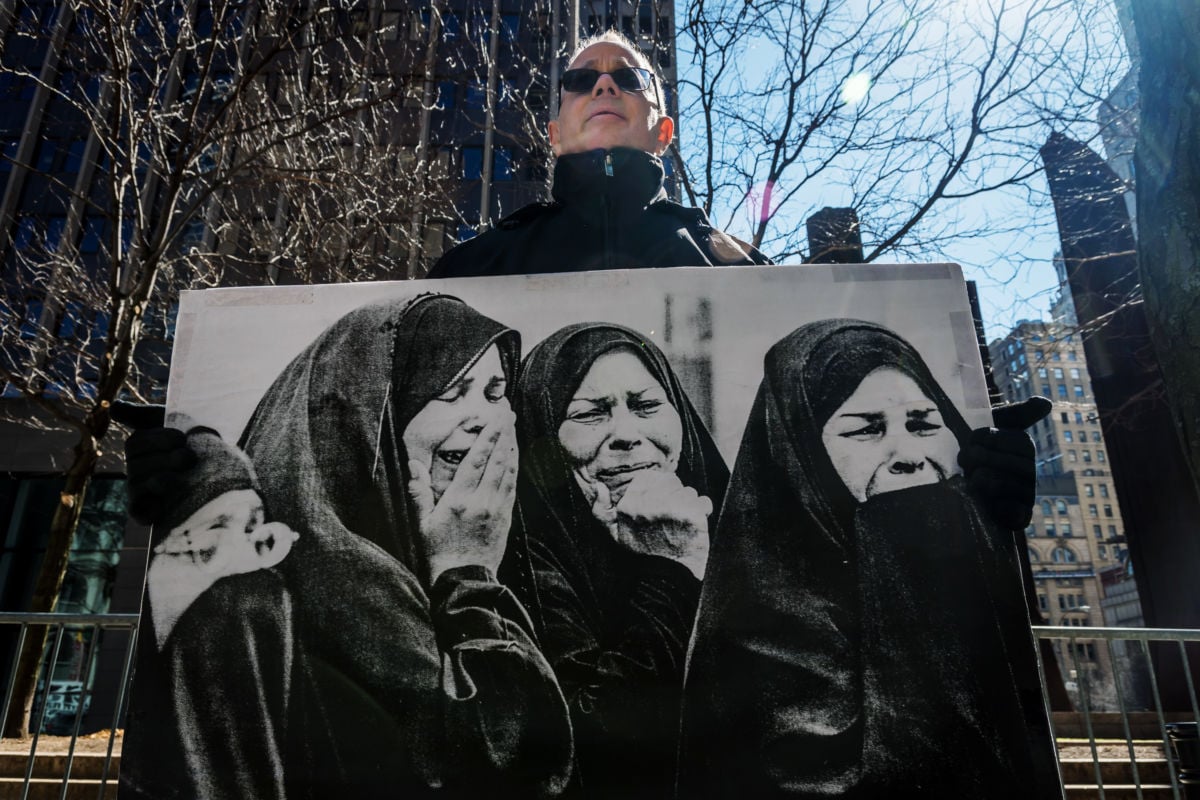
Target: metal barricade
x,y
1131,664
1122,677
57,627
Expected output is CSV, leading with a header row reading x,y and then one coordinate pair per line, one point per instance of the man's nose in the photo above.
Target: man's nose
x,y
605,83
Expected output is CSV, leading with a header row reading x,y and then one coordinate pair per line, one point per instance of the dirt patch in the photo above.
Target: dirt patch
x,y
87,743
1143,750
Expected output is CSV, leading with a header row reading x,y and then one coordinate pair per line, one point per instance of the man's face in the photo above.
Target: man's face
x,y
606,116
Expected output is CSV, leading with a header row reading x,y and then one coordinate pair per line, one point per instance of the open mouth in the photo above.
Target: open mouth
x,y
452,457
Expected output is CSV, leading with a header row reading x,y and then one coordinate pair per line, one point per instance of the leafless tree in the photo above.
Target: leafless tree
x,y
904,110
226,141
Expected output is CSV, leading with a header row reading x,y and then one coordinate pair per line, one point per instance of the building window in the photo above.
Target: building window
x,y
1047,509
1072,456
1041,373
26,228
1060,506
92,229
1078,392
1087,456
1096,436
472,163
1063,555
1071,355
434,239
75,155
7,153
1102,550
1112,531
1066,529
33,315
476,96
1050,530
1068,436
1104,490
1058,373
1062,391
1078,417
1089,490
1107,510
1075,373
510,27
502,164
1063,416
1097,532
1043,603
1100,456
1092,511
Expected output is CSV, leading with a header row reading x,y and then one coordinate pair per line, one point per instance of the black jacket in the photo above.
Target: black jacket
x,y
610,211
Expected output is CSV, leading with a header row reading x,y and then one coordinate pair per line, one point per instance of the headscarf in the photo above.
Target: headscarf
x,y
808,375
551,506
791,660
327,442
326,439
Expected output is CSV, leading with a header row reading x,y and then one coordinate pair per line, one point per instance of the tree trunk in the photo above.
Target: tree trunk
x,y
49,583
1168,202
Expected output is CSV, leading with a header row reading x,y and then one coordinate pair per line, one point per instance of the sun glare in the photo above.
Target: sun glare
x,y
855,88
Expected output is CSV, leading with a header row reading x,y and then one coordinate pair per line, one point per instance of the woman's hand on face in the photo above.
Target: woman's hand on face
x,y
659,516
469,524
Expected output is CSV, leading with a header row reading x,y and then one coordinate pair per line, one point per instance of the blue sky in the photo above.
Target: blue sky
x,y
1012,262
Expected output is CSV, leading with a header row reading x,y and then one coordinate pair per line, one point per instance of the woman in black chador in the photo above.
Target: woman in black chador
x,y
616,487
862,630
379,657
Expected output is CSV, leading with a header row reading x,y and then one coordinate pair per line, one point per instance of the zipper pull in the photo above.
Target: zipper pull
x,y
608,164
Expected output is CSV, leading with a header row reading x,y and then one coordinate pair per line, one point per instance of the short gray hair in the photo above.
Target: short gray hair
x,y
612,36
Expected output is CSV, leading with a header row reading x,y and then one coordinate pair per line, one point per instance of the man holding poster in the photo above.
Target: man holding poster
x,y
609,207
610,212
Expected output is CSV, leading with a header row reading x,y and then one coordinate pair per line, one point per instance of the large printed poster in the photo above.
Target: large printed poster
x,y
655,533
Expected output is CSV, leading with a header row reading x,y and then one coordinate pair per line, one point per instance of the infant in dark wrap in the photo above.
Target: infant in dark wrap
x,y
219,529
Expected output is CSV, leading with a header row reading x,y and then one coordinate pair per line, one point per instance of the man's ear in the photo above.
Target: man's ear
x,y
664,133
552,132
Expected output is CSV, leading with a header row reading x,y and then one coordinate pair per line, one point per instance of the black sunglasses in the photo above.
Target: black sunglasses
x,y
627,79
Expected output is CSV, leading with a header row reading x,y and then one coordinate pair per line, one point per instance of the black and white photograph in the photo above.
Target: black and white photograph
x,y
635,534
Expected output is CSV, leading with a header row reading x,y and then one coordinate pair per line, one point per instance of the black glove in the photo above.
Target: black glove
x,y
157,461
999,463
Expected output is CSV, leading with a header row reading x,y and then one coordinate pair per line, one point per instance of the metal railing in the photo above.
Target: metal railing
x,y
57,626
1128,666
1092,689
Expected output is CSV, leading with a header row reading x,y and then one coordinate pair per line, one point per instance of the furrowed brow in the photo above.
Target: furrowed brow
x,y
867,415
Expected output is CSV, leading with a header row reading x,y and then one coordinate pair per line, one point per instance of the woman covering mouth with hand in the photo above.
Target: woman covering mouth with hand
x,y
380,657
615,496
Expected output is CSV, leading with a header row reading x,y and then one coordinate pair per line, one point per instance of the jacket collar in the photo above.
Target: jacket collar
x,y
634,177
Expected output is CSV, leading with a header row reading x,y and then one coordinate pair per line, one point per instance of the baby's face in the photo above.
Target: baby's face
x,y
214,524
